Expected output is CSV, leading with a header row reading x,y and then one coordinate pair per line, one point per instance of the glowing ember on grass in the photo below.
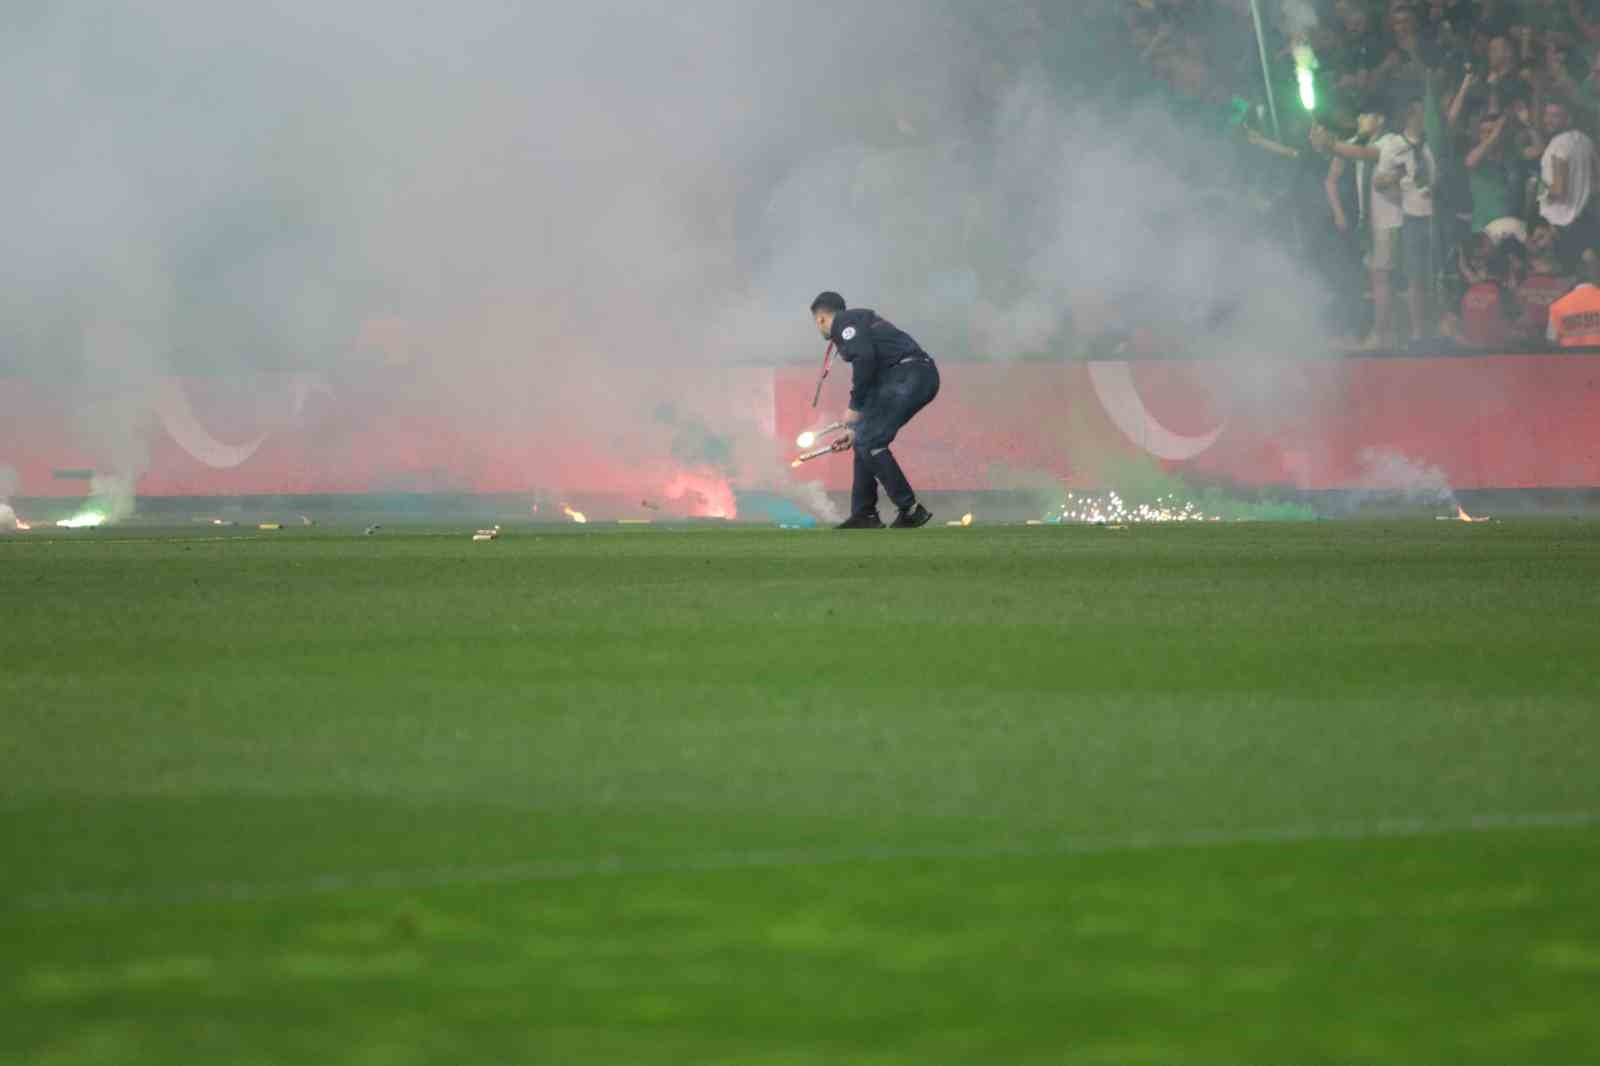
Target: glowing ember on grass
x,y
86,520
577,516
1109,508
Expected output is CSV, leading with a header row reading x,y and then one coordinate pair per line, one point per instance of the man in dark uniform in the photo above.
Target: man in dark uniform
x,y
893,380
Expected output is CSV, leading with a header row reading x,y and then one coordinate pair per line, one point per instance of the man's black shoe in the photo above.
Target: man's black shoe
x,y
917,516
867,520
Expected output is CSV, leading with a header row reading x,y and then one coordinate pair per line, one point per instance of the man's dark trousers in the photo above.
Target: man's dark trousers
x,y
901,392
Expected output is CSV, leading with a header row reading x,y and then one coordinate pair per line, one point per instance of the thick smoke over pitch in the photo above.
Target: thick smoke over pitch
x,y
606,191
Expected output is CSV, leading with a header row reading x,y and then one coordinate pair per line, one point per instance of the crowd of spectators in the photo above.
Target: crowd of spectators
x,y
1447,152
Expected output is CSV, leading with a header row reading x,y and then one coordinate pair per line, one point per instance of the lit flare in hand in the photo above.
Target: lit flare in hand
x,y
810,436
1305,74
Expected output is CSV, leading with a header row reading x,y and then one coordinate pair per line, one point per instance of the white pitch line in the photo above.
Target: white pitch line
x,y
781,858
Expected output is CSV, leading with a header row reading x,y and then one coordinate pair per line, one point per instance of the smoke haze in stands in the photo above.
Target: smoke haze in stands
x,y
1298,16
600,189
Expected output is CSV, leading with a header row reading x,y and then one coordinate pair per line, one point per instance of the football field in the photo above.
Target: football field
x,y
1298,793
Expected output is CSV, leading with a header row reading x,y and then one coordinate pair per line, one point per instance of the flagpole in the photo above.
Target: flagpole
x,y
1266,69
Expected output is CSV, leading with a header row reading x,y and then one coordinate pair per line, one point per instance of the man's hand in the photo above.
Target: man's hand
x,y
845,441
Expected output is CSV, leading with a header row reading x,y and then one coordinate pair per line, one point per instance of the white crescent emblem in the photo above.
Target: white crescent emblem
x,y
178,418
172,404
1113,383
849,333
181,423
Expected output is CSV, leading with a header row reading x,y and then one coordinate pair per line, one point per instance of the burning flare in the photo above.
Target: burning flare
x,y
86,520
1461,515
811,436
1305,74
577,516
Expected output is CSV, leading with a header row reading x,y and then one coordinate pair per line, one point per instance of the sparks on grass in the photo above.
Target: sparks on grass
x,y
1109,508
85,520
577,516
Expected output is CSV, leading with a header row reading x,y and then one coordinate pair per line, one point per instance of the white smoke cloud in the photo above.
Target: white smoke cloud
x,y
811,496
8,485
1390,472
112,495
206,188
1056,221
1298,16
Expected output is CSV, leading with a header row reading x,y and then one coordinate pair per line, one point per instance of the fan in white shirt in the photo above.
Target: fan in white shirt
x,y
1566,188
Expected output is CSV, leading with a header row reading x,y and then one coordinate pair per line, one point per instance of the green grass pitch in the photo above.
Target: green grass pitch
x,y
1289,794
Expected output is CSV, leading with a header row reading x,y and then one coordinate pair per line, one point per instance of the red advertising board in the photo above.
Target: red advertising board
x,y
1513,421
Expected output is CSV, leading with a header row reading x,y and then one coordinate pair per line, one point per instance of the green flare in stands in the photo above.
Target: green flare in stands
x,y
1305,67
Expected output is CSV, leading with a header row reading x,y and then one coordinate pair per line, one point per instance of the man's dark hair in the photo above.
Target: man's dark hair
x,y
827,301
